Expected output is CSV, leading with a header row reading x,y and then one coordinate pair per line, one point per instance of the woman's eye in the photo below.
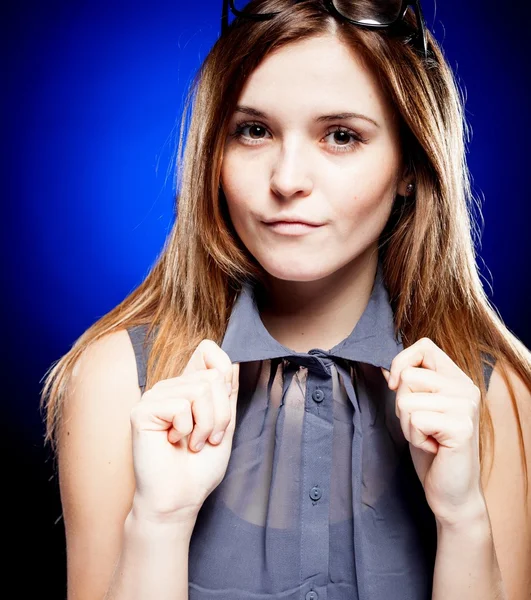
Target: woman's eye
x,y
252,131
256,131
344,139
340,139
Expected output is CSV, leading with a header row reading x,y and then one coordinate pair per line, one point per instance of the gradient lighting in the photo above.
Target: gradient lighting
x,y
93,93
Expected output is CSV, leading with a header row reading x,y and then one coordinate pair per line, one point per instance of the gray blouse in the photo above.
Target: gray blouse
x,y
320,500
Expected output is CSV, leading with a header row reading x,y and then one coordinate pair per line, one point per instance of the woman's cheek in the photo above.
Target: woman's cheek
x,y
365,213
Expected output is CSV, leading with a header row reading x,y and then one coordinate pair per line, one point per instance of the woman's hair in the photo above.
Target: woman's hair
x,y
427,247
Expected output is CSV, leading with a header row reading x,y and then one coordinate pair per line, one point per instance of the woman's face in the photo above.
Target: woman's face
x,y
290,157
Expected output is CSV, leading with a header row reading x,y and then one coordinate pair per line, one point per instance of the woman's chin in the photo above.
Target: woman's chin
x,y
294,271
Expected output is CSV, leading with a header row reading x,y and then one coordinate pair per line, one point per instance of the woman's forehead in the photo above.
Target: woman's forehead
x,y
314,77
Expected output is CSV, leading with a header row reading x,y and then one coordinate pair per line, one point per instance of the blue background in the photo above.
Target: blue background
x,y
92,94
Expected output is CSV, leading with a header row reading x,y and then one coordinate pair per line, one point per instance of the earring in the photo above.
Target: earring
x,y
409,189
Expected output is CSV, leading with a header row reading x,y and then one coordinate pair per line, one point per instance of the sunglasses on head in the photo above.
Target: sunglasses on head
x,y
375,14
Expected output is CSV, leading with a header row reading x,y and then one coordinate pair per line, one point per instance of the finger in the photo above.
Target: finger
x,y
196,387
404,412
420,440
188,389
192,377
235,377
409,402
417,379
203,415
218,417
215,388
208,355
405,424
159,415
222,411
234,394
448,431
233,400
423,353
182,423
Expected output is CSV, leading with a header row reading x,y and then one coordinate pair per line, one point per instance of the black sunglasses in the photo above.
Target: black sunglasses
x,y
375,14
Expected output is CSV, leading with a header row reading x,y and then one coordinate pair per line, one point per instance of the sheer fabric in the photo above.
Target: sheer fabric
x,y
320,500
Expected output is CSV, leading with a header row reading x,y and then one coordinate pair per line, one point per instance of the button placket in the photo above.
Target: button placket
x,y
317,468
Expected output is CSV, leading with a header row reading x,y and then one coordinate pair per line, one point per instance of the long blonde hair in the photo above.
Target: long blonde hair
x,y
428,245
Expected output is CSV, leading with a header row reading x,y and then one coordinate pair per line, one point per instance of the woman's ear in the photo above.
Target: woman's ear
x,y
406,185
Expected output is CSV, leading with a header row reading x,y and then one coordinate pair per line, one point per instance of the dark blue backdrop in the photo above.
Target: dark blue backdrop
x,y
92,94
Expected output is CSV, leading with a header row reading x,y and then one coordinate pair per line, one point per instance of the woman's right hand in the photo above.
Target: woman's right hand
x,y
173,479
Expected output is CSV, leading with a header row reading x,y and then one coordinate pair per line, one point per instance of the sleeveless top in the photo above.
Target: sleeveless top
x,y
320,500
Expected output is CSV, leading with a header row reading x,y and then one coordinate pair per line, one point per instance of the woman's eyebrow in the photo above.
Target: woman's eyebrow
x,y
253,112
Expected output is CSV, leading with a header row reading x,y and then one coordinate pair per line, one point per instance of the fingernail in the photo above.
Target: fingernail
x,y
218,437
199,446
229,387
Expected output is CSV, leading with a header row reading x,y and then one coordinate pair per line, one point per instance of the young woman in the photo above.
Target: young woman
x,y
309,396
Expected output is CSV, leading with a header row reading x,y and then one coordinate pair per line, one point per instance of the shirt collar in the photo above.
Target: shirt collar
x,y
371,341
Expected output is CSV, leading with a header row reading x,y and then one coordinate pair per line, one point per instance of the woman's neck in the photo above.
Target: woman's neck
x,y
303,315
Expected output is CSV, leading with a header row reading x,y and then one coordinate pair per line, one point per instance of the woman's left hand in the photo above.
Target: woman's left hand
x,y
438,407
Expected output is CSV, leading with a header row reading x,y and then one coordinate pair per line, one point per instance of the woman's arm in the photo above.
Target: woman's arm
x,y
466,566
153,562
494,544
112,551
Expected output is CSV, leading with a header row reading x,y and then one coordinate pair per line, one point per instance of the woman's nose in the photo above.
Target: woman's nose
x,y
291,173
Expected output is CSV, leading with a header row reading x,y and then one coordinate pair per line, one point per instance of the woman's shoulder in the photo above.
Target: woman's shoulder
x,y
121,354
105,370
113,352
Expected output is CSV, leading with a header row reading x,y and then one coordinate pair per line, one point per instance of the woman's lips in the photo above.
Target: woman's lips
x,y
285,228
